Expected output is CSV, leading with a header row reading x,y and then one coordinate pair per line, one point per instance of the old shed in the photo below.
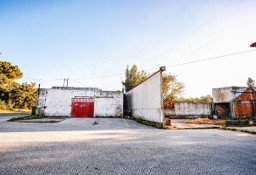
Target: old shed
x,y
79,102
234,101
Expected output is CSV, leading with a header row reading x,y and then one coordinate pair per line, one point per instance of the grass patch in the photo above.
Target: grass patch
x,y
234,122
206,121
170,126
30,117
148,123
15,110
187,116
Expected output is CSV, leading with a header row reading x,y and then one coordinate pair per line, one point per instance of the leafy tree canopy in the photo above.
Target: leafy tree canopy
x,y
203,99
13,94
8,72
133,77
172,88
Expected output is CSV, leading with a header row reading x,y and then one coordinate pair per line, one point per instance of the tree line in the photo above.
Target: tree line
x,y
13,94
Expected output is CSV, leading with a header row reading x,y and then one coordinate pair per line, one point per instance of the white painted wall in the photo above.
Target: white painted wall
x,y
169,112
145,100
226,94
57,102
112,106
185,108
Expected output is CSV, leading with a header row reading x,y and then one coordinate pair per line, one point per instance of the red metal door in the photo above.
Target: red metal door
x,y
82,107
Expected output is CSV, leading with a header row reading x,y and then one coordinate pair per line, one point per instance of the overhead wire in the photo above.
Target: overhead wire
x,y
181,64
174,65
211,58
77,82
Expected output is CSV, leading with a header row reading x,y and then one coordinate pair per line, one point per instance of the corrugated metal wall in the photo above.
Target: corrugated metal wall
x,y
145,100
244,104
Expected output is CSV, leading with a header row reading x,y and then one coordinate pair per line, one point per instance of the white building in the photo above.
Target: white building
x,y
79,102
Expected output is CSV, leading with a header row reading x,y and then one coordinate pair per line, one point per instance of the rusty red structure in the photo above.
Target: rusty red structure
x,y
244,104
253,45
82,107
234,102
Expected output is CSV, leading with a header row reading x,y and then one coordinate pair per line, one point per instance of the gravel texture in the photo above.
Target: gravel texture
x,y
121,146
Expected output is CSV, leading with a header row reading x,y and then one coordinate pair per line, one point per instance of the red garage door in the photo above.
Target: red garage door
x,y
82,107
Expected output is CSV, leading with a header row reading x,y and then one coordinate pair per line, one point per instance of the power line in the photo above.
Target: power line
x,y
113,75
77,82
211,58
185,63
174,65
32,78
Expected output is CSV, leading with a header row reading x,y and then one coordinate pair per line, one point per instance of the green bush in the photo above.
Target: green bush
x,y
146,122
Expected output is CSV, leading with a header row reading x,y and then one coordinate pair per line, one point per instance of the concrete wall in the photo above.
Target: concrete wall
x,y
185,108
169,112
226,94
145,100
109,103
57,101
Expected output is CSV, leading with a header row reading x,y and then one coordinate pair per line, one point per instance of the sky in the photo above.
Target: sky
x,y
91,42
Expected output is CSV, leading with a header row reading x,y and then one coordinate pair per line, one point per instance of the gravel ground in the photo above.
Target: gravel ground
x,y
120,146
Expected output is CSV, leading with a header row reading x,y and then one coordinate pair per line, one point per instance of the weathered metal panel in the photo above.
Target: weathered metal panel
x,y
145,100
82,107
247,95
244,109
244,104
186,108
